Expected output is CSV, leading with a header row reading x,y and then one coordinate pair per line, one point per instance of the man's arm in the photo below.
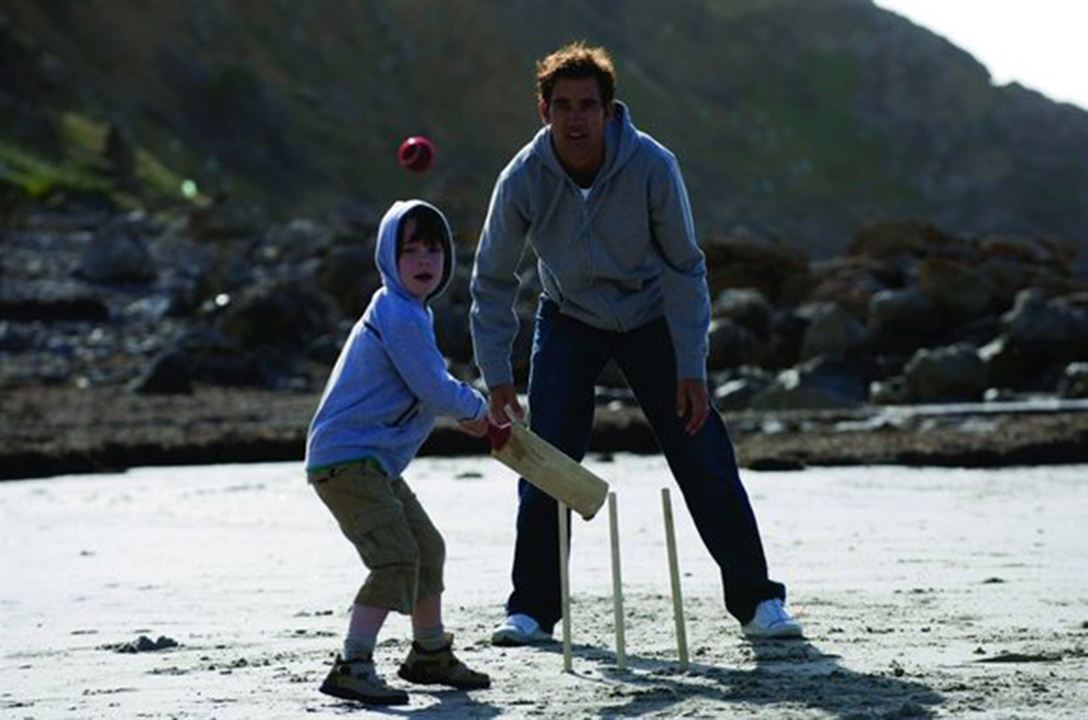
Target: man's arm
x,y
495,284
687,299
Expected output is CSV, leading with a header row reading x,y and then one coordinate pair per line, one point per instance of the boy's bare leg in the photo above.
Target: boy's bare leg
x,y
427,627
363,628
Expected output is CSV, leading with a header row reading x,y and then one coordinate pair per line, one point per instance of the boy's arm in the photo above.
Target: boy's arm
x,y
414,352
495,284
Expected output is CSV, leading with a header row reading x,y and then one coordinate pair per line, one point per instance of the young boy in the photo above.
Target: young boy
x,y
379,405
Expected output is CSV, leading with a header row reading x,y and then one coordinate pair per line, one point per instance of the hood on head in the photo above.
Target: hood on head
x,y
385,253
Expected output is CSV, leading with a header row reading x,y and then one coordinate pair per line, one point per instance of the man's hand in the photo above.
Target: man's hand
x,y
475,428
501,397
691,401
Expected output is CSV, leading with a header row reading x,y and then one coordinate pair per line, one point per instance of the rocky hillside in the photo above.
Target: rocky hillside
x,y
189,194
790,117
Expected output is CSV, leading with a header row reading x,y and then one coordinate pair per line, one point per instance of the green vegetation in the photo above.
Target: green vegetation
x,y
806,117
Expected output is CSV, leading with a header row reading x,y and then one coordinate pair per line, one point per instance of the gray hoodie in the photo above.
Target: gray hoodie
x,y
615,260
390,381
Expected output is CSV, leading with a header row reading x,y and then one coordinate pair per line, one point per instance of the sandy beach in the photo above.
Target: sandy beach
x,y
925,593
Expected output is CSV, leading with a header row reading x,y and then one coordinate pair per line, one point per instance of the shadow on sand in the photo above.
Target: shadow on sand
x,y
791,673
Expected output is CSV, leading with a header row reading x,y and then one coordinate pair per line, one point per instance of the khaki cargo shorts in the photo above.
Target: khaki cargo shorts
x,y
396,540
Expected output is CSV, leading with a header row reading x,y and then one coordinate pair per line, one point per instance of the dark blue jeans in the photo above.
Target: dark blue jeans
x,y
568,356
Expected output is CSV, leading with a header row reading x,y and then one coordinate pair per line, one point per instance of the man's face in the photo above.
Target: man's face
x,y
577,116
420,264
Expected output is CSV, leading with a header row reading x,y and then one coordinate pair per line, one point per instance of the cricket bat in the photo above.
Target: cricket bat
x,y
547,468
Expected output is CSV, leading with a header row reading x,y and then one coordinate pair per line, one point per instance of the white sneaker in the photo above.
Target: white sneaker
x,y
520,629
772,621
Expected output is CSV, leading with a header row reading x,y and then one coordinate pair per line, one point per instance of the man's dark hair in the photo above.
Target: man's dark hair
x,y
576,60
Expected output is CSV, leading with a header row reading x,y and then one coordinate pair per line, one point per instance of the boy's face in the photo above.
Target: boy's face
x,y
420,263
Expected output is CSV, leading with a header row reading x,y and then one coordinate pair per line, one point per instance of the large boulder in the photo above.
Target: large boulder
x,y
1039,337
907,313
948,374
297,240
731,345
118,254
787,335
894,238
832,331
734,390
818,384
168,373
349,277
225,219
848,282
1074,381
959,290
743,259
286,315
1040,251
1048,325
746,307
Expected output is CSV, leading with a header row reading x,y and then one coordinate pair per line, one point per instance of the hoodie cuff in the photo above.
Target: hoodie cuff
x,y
690,369
498,374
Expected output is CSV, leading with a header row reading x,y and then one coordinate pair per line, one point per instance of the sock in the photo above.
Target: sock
x,y
427,627
363,630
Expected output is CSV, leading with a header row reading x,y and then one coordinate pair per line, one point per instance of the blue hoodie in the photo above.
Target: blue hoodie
x,y
390,381
615,260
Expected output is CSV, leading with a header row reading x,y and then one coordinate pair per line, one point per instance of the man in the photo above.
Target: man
x,y
607,213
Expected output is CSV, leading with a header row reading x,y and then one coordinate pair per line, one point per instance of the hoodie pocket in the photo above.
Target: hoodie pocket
x,y
410,412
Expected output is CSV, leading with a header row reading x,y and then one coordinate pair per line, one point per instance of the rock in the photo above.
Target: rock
x,y
892,391
787,334
71,308
225,219
819,384
949,374
297,240
117,254
957,289
169,373
1009,366
284,314
731,345
1074,381
349,277
736,393
746,307
895,314
743,259
849,282
1039,337
1042,251
893,238
144,644
831,331
1034,321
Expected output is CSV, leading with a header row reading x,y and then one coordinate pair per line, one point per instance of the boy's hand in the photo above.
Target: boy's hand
x,y
500,398
475,428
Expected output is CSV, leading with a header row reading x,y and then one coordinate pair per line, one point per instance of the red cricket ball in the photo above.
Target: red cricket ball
x,y
416,154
